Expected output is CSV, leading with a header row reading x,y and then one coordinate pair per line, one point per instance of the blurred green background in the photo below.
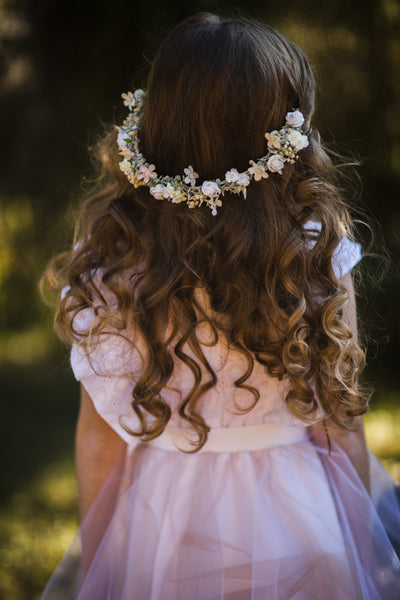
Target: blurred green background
x,y
63,67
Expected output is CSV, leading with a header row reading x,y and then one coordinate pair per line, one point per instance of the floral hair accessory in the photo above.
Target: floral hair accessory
x,y
283,147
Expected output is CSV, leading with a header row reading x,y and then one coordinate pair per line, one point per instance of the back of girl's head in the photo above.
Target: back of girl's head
x,y
216,86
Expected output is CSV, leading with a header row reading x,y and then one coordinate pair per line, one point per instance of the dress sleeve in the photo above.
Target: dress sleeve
x,y
107,372
346,255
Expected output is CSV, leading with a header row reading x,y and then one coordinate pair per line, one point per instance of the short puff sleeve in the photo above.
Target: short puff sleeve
x,y
107,371
346,255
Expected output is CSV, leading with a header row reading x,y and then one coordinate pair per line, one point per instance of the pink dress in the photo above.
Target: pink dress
x,y
260,513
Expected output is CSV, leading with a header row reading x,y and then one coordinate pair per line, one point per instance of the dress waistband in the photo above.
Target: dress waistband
x,y
232,439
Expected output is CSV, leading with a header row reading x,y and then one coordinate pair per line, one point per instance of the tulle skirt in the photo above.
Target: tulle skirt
x,y
288,522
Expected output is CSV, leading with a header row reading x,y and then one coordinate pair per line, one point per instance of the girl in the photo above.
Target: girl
x,y
209,301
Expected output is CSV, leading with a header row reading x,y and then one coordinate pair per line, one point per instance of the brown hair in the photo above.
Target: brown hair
x,y
216,85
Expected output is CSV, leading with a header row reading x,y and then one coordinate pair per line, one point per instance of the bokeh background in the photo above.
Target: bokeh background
x,y
63,66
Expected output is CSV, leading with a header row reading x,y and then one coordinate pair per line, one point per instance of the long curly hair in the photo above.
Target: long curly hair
x,y
216,85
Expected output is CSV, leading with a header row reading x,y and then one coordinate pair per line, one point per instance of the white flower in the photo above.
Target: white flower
x,y
232,176
126,153
276,163
125,167
258,171
160,192
273,139
210,189
129,100
122,137
295,118
146,173
243,179
296,139
191,175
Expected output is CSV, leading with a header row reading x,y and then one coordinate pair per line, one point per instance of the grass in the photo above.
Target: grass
x,y
38,517
37,488
37,527
382,427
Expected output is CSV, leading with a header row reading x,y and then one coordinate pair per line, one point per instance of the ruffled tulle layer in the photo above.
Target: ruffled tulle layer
x,y
288,522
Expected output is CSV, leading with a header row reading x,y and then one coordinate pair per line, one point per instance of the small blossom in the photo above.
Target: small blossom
x,y
243,179
210,189
258,171
296,139
273,139
126,153
276,163
134,180
213,205
139,95
146,173
129,100
176,196
130,122
232,176
160,192
191,176
295,118
123,138
167,192
125,167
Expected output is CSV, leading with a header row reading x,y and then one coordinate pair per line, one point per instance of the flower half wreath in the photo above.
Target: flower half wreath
x,y
283,147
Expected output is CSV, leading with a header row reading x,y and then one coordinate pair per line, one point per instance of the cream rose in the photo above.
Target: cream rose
x,y
295,118
296,139
276,163
243,179
232,176
210,189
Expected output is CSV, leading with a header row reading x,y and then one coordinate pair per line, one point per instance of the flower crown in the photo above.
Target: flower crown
x,y
283,147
